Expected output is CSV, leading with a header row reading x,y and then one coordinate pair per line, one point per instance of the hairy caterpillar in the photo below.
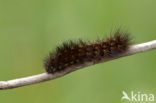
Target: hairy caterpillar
x,y
75,53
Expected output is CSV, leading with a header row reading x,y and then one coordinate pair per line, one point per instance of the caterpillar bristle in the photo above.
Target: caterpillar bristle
x,y
73,53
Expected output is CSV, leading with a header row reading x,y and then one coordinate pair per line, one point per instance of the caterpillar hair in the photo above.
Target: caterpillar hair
x,y
76,53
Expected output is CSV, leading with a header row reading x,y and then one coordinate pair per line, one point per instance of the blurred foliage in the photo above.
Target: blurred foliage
x,y
29,29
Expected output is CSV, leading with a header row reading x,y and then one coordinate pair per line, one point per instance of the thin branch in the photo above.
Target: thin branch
x,y
45,77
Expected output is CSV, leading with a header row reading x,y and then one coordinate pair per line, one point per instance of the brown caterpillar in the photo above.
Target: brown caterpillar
x,y
74,53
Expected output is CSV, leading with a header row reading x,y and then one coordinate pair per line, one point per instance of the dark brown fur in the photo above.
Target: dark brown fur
x,y
73,53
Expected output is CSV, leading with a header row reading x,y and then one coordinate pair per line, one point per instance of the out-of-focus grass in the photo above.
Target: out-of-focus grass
x,y
29,29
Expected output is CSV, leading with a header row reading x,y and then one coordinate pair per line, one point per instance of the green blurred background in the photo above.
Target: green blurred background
x,y
29,29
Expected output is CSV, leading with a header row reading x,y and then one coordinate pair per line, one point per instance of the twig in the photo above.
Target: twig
x,y
45,77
